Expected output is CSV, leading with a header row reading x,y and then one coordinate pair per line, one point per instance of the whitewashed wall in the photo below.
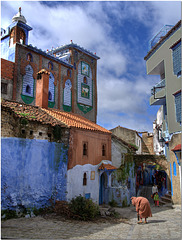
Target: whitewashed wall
x,y
117,153
75,182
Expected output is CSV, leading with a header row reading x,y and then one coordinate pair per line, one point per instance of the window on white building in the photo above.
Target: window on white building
x,y
177,59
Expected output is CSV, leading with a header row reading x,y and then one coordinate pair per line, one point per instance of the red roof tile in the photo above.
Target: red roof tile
x,y
107,167
51,116
177,148
75,120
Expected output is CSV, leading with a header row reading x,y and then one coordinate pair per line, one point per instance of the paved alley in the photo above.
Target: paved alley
x,y
165,224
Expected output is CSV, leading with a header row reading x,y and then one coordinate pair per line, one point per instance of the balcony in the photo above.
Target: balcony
x,y
162,32
158,93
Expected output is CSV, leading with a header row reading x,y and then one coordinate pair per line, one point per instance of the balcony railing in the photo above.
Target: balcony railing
x,y
158,87
162,32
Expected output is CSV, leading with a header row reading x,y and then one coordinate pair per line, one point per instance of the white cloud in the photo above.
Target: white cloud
x,y
123,86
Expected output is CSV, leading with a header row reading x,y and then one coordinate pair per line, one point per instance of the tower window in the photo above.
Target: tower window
x,y
85,80
49,96
50,65
69,73
22,37
29,57
85,149
28,89
84,179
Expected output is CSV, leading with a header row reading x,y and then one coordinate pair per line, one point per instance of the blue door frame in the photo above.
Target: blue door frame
x,y
102,188
171,180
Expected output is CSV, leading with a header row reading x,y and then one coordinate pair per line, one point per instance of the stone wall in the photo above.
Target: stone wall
x,y
34,161
125,134
13,126
175,178
147,143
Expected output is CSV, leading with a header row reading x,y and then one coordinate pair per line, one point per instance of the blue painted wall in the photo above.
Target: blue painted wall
x,y
121,192
32,171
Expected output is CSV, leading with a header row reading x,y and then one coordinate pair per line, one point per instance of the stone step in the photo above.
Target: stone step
x,y
162,202
165,199
168,195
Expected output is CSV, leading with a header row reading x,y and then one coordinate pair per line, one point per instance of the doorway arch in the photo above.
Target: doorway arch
x,y
102,189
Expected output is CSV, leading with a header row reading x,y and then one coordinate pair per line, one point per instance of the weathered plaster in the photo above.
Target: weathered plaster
x,y
33,171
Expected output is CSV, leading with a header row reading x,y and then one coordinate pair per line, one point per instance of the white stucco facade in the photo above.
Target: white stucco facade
x,y
157,131
75,185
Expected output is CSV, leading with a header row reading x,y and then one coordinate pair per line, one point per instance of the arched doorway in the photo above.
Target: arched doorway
x,y
151,169
102,189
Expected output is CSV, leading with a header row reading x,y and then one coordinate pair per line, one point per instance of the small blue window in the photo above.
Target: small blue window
x,y
174,169
178,107
177,59
87,195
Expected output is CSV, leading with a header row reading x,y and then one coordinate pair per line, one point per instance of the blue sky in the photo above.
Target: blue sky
x,y
119,33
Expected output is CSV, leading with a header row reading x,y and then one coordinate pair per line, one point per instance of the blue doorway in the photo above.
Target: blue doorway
x,y
103,180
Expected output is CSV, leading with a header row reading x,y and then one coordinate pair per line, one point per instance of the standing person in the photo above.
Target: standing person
x,y
156,199
142,207
154,190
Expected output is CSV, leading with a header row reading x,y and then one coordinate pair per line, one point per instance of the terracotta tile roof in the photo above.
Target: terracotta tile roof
x,y
32,113
75,120
50,116
177,148
43,71
107,167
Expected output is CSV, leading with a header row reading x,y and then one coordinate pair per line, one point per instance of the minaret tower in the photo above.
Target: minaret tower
x,y
17,32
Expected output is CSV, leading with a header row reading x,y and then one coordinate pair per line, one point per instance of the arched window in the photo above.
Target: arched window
x,y
50,65
174,169
28,89
85,80
85,149
12,35
51,87
75,66
49,96
103,150
28,82
67,93
69,73
29,57
22,37
84,179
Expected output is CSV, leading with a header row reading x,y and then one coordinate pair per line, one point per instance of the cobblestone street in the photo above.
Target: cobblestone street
x,y
165,224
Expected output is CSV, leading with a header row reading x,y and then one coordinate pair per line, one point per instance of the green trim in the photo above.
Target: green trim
x,y
67,108
84,108
27,99
88,75
51,104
